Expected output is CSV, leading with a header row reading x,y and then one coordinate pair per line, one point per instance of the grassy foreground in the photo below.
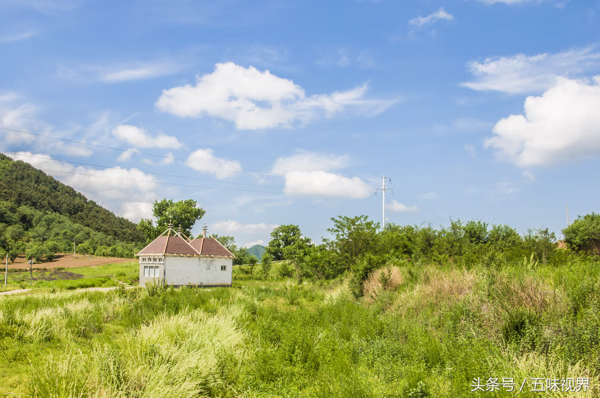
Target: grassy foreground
x,y
71,278
419,331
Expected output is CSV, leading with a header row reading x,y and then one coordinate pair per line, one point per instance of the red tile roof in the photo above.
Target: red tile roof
x,y
169,245
174,244
210,247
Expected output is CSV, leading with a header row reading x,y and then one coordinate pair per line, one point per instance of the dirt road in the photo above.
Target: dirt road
x,y
64,260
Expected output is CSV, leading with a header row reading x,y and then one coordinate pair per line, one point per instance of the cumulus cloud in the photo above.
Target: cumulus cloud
x,y
321,183
309,161
432,18
115,187
526,74
561,125
308,173
257,100
400,208
168,160
135,211
126,155
140,138
232,227
204,161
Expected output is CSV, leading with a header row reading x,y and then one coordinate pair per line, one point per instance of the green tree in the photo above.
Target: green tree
x,y
354,237
266,263
35,251
284,237
584,233
15,232
184,214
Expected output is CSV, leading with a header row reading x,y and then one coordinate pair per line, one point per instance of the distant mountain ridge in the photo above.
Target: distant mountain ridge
x,y
257,251
23,184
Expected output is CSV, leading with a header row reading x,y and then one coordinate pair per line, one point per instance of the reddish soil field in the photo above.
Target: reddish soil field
x,y
64,260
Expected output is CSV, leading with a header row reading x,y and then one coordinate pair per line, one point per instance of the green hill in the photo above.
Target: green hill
x,y
257,250
22,184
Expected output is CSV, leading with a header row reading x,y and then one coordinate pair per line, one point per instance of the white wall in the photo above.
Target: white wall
x,y
198,271
144,279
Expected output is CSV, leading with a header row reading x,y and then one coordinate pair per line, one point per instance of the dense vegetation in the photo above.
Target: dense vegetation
x,y
420,330
411,311
23,185
40,235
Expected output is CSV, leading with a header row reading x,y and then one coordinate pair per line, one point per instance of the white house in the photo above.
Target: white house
x,y
175,259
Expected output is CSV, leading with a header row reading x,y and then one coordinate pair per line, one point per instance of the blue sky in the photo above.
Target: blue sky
x,y
279,112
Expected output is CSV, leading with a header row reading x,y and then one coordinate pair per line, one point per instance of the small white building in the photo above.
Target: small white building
x,y
175,259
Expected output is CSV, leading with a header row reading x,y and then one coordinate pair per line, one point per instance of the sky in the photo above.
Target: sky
x,y
291,112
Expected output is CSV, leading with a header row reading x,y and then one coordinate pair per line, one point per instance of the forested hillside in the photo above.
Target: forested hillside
x,y
22,184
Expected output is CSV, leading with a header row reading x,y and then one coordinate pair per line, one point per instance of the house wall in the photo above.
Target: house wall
x,y
203,271
159,262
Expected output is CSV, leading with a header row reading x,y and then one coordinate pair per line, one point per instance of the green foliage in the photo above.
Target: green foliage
x,y
23,185
266,264
286,242
354,237
584,233
183,213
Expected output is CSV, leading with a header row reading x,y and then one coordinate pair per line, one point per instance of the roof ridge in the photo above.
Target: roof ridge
x,y
233,255
152,242
188,243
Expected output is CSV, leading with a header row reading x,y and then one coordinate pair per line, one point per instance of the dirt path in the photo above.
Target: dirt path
x,y
64,260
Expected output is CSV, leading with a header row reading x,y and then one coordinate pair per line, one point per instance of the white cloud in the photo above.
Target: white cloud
x,y
432,18
526,74
400,208
112,186
140,138
126,155
309,161
256,100
135,211
204,161
140,72
257,242
308,173
168,160
45,6
561,125
321,183
231,227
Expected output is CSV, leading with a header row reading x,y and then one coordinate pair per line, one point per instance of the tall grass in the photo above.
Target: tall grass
x,y
426,331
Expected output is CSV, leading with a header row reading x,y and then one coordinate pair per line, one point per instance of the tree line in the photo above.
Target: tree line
x,y
40,235
24,185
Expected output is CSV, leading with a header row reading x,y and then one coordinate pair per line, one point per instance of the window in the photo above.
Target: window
x,y
145,271
223,268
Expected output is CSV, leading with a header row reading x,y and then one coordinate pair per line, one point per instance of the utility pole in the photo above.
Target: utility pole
x,y
6,271
568,224
74,256
383,189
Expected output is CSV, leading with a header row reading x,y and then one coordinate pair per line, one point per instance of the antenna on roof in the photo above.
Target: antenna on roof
x,y
204,229
179,229
171,224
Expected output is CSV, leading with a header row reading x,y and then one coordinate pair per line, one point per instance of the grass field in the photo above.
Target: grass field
x,y
71,278
419,331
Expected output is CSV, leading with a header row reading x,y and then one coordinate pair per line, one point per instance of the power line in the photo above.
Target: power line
x,y
145,172
104,146
292,192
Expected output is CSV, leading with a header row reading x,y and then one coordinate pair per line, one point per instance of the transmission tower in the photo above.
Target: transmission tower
x,y
383,189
